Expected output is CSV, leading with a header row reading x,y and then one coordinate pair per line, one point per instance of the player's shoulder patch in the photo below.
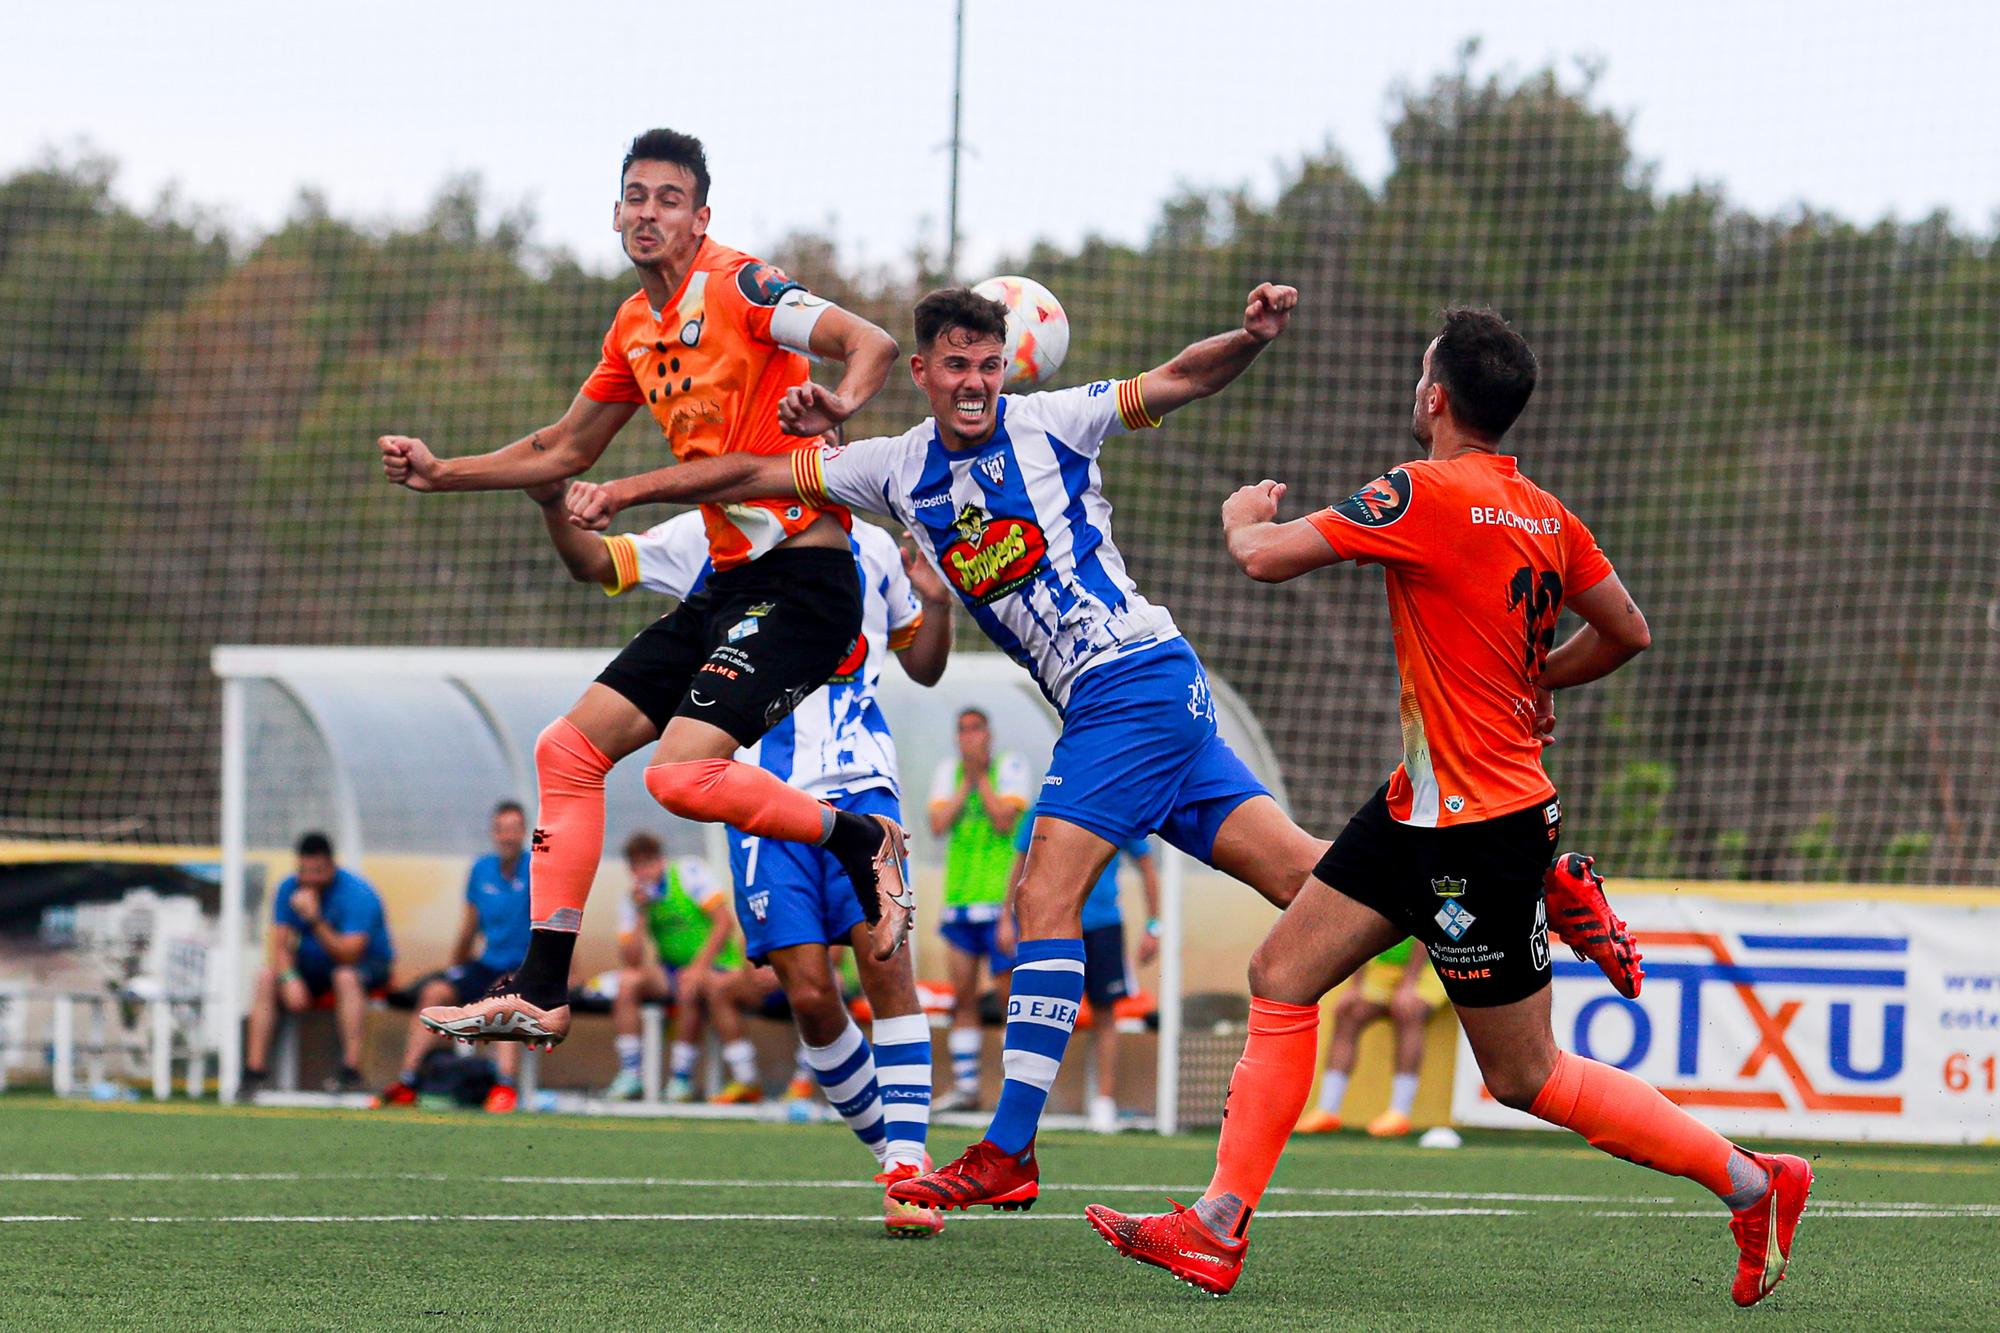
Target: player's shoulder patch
x,y
1379,503
763,284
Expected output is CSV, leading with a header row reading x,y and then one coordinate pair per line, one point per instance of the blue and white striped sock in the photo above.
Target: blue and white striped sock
x,y
965,1048
903,1068
1041,1013
846,1071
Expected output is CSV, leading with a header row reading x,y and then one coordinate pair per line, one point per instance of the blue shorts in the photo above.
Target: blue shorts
x,y
1139,754
471,980
318,975
790,893
1105,979
978,938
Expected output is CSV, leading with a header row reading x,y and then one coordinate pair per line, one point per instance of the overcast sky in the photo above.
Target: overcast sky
x,y
1080,116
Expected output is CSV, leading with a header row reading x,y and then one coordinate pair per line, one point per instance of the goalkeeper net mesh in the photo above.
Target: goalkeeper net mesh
x,y
1781,428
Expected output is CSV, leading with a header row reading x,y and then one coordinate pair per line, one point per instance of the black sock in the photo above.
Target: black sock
x,y
349,1074
854,840
543,980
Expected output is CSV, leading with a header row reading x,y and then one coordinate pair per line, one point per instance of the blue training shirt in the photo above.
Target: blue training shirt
x,y
350,906
1100,909
501,902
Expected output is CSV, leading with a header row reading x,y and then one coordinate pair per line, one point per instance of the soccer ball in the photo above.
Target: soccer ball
x,y
1037,328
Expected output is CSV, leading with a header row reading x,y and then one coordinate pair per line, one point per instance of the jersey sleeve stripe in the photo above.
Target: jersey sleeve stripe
x,y
808,478
902,638
624,564
1132,406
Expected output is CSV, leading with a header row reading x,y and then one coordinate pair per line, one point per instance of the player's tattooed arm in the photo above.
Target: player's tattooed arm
x,y
1208,366
584,554
1263,548
561,449
867,353
722,479
1614,632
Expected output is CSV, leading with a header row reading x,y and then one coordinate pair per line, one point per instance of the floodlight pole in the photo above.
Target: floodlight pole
x,y
957,85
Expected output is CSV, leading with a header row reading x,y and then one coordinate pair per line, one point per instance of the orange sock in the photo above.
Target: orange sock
x,y
1628,1117
569,826
1266,1094
724,791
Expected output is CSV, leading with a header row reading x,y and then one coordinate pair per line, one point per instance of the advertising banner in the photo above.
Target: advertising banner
x,y
1795,1014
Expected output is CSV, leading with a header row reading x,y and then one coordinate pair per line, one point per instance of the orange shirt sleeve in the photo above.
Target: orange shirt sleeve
x,y
613,380
1374,526
751,295
1587,565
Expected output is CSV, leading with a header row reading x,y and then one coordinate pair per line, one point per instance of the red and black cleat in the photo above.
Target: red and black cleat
x,y
982,1175
1580,917
1177,1242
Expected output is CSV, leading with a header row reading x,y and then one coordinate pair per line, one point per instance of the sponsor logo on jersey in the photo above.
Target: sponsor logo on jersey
x,y
993,556
933,501
1552,813
850,666
1454,920
1538,942
763,284
1379,503
1447,887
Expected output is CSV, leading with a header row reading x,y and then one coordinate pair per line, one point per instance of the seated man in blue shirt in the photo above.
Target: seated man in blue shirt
x,y
496,914
1106,980
328,934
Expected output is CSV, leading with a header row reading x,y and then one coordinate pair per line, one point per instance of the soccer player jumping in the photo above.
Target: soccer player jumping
x,y
1478,562
714,344
1004,495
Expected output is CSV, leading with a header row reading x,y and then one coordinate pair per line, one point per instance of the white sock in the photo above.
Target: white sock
x,y
903,1072
801,1065
628,1052
1332,1089
741,1057
965,1045
845,1068
1403,1093
682,1062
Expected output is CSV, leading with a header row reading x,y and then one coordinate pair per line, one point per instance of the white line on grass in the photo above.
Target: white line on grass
x,y
318,1219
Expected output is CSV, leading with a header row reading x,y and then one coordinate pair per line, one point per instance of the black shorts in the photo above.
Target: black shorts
x,y
1105,981
1472,893
746,649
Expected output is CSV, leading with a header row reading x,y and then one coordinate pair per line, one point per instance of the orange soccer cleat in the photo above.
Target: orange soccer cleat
x,y
1177,1242
982,1175
1391,1124
1317,1121
500,1015
1580,917
907,1221
501,1100
739,1094
1765,1228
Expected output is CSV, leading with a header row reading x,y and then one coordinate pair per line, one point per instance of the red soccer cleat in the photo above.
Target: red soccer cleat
x,y
398,1093
1764,1230
1580,917
1176,1241
982,1175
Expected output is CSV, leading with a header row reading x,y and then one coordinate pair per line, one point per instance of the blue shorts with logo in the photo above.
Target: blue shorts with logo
x,y
1139,754
790,893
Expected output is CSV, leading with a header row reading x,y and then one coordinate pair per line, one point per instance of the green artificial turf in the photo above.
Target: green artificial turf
x,y
1562,1238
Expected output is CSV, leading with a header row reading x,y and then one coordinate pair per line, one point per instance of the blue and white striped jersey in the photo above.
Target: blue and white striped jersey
x,y
1019,526
835,742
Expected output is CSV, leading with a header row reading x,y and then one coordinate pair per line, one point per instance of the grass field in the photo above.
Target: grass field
x,y
183,1217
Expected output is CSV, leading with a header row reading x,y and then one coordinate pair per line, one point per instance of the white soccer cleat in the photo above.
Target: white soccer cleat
x,y
500,1017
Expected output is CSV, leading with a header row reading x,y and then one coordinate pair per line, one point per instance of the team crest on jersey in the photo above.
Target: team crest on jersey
x,y
1447,887
763,284
1454,920
993,556
1379,503
761,609
742,630
1454,803
995,468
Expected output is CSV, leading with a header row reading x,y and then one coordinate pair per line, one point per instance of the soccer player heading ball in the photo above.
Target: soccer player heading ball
x,y
1454,849
1004,495
714,344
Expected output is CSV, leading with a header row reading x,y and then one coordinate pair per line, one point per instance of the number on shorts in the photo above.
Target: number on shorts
x,y
750,846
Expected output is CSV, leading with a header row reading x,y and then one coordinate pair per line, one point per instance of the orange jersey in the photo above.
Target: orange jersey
x,y
713,366
1477,560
